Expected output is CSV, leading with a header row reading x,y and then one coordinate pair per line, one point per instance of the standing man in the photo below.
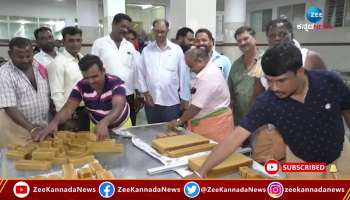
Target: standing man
x,y
204,39
24,95
185,38
163,77
117,55
305,106
245,74
64,73
46,43
281,30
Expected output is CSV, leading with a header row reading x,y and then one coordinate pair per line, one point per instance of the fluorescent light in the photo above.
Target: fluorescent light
x,y
146,6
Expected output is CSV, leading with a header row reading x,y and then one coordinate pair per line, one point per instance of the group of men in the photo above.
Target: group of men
x,y
182,82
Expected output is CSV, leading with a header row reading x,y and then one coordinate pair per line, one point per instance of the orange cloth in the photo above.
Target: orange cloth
x,y
214,127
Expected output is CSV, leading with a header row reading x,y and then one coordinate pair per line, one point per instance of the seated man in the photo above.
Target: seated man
x,y
305,106
209,113
103,96
24,95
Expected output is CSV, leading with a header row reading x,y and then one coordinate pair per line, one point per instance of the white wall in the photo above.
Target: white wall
x,y
39,8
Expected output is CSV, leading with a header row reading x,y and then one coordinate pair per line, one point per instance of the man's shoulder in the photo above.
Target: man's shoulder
x,y
100,40
266,98
5,70
325,76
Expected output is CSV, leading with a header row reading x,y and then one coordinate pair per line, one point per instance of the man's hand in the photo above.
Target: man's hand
x,y
40,134
102,131
149,100
184,106
173,124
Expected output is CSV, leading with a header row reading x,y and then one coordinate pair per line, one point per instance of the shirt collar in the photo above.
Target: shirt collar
x,y
109,38
203,71
69,56
43,53
167,46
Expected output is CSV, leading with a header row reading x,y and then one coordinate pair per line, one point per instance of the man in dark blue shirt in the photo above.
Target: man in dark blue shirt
x,y
305,106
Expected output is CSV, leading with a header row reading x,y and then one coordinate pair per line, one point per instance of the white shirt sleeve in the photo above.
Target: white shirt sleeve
x,y
184,74
141,73
56,81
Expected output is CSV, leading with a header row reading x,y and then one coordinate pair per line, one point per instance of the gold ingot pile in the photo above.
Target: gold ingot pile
x,y
67,148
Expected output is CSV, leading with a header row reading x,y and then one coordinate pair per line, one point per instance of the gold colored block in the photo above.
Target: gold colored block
x,y
43,155
69,172
15,155
95,166
81,160
87,136
85,173
46,143
104,174
191,150
60,160
229,165
105,148
177,142
33,165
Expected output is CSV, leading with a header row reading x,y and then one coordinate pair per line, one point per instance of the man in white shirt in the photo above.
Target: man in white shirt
x,y
116,54
46,43
64,73
163,76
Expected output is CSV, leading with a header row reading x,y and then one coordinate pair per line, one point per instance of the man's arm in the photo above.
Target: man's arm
x,y
314,61
186,116
61,117
224,149
118,103
18,117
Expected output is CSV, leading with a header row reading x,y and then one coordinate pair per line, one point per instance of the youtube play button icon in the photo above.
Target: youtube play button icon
x,y
272,167
21,189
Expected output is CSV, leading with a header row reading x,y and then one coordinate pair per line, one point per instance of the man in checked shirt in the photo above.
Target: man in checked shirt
x,y
24,94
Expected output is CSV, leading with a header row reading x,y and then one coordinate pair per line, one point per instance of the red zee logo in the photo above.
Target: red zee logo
x,y
272,167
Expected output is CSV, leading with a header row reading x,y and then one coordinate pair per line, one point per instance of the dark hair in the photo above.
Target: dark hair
x,y
19,42
182,32
243,29
120,17
41,29
71,30
132,32
88,61
206,31
160,20
281,20
281,58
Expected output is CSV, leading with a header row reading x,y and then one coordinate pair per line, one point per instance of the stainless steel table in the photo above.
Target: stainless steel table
x,y
132,163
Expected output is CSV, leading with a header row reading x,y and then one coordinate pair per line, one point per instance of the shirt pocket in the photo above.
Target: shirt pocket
x,y
126,60
170,62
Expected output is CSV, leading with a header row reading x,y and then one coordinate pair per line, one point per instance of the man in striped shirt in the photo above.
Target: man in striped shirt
x,y
103,95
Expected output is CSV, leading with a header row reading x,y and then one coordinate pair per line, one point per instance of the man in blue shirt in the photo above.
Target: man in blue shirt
x,y
305,106
204,39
